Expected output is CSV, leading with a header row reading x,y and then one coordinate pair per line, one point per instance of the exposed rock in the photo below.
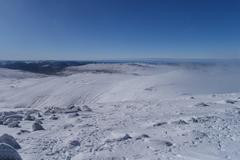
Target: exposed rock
x,y
23,132
126,137
29,117
159,124
199,120
204,119
180,122
12,118
143,136
149,89
39,115
85,108
201,104
14,124
71,107
39,121
10,140
32,111
16,116
71,111
231,101
8,113
54,117
54,110
214,95
36,126
74,143
167,143
8,153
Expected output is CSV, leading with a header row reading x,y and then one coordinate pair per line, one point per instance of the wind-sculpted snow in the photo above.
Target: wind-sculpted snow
x,y
124,111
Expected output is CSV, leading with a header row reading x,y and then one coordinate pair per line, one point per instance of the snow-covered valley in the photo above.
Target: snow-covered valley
x,y
123,111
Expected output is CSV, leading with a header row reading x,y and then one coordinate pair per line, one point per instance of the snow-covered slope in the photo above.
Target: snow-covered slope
x,y
16,74
126,111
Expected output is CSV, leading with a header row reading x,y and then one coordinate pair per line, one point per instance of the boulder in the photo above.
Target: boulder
x,y
8,153
143,136
124,138
36,126
29,117
231,101
10,140
201,104
159,124
14,124
167,143
74,110
12,118
74,143
8,113
39,115
39,121
180,122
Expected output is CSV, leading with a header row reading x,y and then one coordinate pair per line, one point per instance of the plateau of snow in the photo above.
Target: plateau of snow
x,y
125,111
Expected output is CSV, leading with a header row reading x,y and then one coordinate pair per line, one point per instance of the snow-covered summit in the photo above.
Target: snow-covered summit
x,y
123,111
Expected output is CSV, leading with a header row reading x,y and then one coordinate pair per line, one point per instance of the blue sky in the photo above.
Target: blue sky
x,y
112,29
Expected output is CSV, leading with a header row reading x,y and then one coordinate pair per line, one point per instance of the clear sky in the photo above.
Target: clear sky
x,y
112,29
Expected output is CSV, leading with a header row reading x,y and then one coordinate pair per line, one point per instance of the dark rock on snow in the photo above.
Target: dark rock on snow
x,y
36,126
23,132
14,124
126,137
39,121
54,117
159,124
10,140
230,101
8,153
201,104
29,117
85,108
180,122
143,136
74,143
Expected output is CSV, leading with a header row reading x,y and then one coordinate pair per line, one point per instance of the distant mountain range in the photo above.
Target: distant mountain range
x,y
54,67
44,67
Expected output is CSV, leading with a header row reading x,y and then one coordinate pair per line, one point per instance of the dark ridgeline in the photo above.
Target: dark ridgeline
x,y
44,67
